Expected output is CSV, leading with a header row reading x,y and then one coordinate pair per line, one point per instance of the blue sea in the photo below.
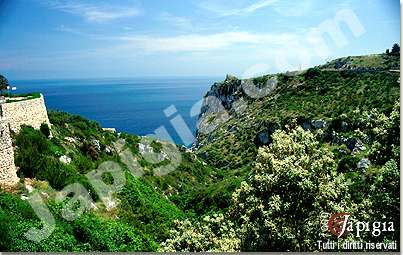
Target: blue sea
x,y
135,105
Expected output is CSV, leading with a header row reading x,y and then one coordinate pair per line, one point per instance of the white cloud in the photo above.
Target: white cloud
x,y
257,6
67,29
94,13
224,10
284,8
295,9
200,43
180,22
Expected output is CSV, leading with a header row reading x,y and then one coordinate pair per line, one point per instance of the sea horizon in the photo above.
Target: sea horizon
x,y
133,105
219,77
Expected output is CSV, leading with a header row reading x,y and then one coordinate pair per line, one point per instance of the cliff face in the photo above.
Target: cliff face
x,y
324,97
218,106
227,92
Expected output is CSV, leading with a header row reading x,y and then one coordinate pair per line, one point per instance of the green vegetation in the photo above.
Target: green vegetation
x,y
395,50
157,146
315,94
3,84
88,233
45,130
325,140
294,181
143,217
385,62
21,97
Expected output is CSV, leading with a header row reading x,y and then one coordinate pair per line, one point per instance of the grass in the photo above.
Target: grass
x,y
11,98
320,94
375,61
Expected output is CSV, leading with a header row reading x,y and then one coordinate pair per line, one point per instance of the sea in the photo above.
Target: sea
x,y
139,106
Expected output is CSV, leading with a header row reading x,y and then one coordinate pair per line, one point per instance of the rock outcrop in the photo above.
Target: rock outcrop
x,y
227,92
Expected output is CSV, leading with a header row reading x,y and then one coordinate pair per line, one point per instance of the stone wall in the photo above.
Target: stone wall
x,y
8,172
13,115
26,112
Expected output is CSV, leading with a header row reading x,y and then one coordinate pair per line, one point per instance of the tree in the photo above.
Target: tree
x,y
384,191
3,83
382,133
387,52
213,234
294,182
312,72
45,130
395,49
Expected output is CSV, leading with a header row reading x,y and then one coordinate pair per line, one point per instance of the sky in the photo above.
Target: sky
x,y
50,39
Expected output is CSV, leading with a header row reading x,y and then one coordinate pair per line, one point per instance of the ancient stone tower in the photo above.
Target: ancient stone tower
x,y
14,114
8,172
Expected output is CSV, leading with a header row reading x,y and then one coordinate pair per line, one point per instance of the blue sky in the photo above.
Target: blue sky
x,y
43,39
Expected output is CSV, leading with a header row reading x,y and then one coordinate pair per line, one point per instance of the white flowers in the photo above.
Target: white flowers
x,y
214,234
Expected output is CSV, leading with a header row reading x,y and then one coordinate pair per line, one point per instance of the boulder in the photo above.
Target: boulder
x,y
70,139
108,150
231,128
96,143
29,188
183,148
351,143
355,145
145,148
231,77
318,124
338,139
306,125
204,155
313,124
65,159
262,138
359,146
364,164
344,126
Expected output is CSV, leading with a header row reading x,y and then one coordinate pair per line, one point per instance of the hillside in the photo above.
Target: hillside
x,y
323,140
319,98
384,62
315,94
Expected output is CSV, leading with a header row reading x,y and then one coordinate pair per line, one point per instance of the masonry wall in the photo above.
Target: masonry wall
x,y
8,172
27,112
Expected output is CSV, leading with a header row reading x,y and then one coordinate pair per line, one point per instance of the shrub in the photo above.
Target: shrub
x,y
3,84
157,146
294,181
145,207
89,150
45,130
112,236
32,146
56,173
212,234
34,157
312,73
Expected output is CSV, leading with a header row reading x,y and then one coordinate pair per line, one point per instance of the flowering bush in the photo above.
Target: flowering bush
x,y
294,181
214,234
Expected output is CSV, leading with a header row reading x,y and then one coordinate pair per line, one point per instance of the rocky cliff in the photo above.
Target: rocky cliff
x,y
323,97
